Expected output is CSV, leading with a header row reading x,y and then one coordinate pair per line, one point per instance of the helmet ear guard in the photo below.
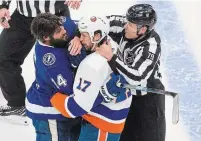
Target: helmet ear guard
x,y
94,25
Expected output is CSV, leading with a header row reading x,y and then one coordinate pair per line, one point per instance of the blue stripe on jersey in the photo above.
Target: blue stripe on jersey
x,y
75,109
98,100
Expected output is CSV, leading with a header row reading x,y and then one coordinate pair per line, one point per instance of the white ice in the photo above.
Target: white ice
x,y
106,7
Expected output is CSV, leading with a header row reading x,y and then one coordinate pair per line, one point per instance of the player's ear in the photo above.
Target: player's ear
x,y
46,38
97,36
143,30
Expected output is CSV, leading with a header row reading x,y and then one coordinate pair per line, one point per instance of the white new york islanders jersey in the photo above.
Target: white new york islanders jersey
x,y
92,73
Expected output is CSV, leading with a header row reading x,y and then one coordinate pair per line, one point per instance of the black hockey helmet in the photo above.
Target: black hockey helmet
x,y
142,14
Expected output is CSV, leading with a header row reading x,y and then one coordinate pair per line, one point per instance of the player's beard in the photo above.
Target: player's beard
x,y
60,43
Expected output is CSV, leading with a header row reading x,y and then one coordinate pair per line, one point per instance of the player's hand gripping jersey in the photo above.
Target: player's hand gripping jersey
x,y
92,73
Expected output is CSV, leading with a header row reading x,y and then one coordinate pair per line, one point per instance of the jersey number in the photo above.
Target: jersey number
x,y
61,81
83,85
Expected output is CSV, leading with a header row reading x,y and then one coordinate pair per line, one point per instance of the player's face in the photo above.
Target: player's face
x,y
130,30
86,40
60,33
59,39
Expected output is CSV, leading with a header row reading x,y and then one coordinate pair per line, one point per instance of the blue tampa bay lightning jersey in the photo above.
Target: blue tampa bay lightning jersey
x,y
53,73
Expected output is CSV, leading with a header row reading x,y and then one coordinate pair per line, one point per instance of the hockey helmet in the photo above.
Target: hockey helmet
x,y
93,25
142,14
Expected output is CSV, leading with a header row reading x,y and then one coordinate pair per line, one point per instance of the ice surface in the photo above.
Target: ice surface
x,y
180,69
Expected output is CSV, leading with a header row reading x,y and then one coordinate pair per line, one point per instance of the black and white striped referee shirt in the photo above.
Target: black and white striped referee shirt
x,y
138,60
30,8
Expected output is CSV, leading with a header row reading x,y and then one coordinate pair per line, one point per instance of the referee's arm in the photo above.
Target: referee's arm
x,y
142,66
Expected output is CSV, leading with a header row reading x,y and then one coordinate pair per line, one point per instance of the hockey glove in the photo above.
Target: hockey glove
x,y
76,60
110,91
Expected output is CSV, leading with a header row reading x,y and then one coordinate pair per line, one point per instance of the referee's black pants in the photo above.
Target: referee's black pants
x,y
15,44
146,119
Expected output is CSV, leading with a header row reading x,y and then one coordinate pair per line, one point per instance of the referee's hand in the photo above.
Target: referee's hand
x,y
75,4
105,50
4,17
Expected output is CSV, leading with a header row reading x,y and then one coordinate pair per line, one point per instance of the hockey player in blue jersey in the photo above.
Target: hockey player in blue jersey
x,y
104,111
53,73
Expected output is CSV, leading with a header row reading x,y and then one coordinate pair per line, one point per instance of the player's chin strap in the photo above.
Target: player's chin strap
x,y
99,43
94,46
103,40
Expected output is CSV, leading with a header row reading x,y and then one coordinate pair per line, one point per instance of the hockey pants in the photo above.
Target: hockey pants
x,y
146,119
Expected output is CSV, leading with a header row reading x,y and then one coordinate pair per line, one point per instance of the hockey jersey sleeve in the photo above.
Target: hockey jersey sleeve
x,y
143,64
86,87
70,27
117,23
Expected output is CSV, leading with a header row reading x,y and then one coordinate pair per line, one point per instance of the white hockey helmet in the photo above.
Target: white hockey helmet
x,y
93,25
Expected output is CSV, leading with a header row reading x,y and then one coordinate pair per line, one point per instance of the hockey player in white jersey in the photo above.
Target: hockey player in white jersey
x,y
104,112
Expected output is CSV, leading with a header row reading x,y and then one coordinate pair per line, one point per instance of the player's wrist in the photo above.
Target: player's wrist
x,y
112,63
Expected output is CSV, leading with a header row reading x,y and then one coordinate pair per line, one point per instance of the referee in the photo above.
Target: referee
x,y
16,41
138,61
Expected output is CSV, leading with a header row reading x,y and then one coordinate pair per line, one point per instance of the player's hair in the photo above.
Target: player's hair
x,y
44,25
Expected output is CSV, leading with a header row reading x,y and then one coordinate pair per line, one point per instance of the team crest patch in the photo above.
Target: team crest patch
x,y
129,57
49,59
